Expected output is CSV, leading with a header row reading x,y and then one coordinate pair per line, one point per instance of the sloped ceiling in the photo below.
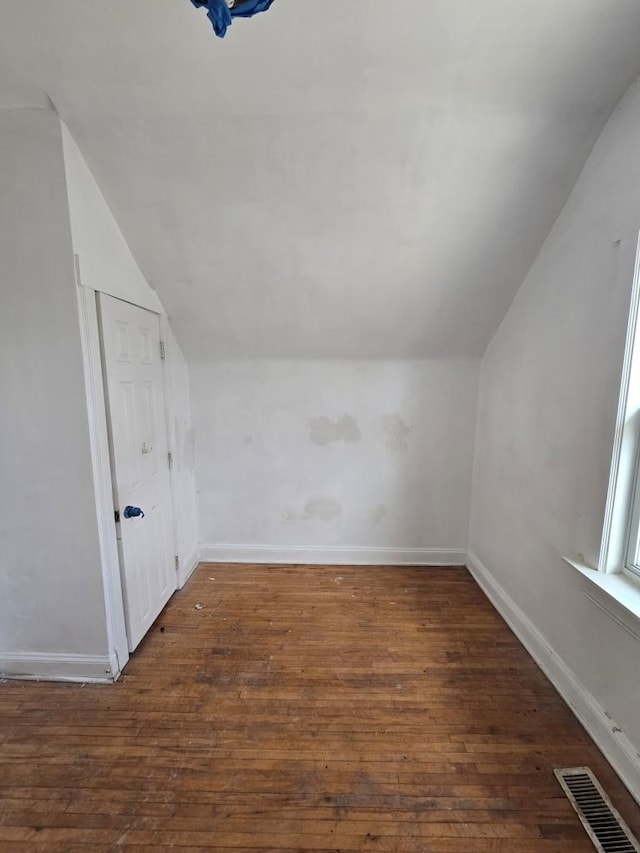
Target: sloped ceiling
x,y
337,178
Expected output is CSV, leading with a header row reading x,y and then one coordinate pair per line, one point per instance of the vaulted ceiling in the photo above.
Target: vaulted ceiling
x,y
337,178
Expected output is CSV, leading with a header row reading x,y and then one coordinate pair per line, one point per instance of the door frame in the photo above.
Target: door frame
x,y
101,464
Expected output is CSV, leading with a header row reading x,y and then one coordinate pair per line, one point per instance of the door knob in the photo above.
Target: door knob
x,y
132,512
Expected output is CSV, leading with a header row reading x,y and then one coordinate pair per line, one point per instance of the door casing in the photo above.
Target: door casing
x,y
118,645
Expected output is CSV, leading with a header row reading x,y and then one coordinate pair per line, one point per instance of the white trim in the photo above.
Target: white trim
x,y
101,465
332,555
607,608
623,460
617,593
615,745
171,437
46,666
187,568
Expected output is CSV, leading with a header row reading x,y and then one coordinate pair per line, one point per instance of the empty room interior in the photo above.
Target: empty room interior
x,y
320,426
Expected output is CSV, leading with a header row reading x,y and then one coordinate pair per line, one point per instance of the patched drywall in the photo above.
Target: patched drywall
x,y
376,514
324,430
393,433
316,509
304,479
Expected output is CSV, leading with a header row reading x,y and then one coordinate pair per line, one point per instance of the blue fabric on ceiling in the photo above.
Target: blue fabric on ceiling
x,y
221,16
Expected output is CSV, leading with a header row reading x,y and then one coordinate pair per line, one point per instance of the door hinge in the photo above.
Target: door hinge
x,y
163,352
170,459
177,563
116,515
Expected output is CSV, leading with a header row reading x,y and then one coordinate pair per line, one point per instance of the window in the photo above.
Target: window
x,y
614,584
620,549
632,551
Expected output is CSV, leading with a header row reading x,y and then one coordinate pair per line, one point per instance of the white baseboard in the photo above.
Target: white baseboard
x,y
613,743
334,555
187,568
44,666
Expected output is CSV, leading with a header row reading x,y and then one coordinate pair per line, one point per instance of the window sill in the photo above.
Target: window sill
x,y
618,595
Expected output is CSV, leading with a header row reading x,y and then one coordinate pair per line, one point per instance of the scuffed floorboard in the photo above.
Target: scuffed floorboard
x,y
303,709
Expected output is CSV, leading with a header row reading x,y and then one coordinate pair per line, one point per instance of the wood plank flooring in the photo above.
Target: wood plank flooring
x,y
303,709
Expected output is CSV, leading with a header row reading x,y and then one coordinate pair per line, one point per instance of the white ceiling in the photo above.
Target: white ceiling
x,y
337,178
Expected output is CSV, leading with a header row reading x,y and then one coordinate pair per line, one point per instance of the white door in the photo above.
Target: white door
x,y
140,460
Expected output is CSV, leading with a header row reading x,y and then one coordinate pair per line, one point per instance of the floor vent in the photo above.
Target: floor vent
x,y
606,829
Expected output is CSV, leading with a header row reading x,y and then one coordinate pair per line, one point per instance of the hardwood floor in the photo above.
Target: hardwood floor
x,y
303,709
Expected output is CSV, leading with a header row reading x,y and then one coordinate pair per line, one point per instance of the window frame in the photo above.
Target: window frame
x,y
611,585
631,562
620,543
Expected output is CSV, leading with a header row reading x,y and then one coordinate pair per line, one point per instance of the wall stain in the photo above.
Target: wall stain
x,y
376,514
322,509
393,433
324,431
317,509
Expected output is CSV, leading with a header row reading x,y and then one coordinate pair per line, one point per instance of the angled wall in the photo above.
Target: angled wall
x,y
52,616
547,409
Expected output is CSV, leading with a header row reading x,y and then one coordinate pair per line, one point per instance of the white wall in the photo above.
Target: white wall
x,y
294,458
51,600
53,590
106,263
548,396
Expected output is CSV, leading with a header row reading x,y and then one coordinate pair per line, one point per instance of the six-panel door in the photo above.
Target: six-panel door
x,y
139,457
